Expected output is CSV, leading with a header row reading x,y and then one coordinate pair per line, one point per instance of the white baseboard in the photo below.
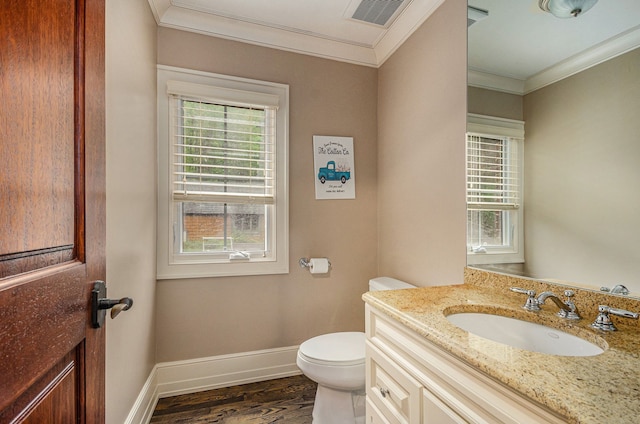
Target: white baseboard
x,y
142,409
194,375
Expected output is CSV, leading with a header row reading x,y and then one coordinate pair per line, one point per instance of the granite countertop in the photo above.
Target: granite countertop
x,y
593,389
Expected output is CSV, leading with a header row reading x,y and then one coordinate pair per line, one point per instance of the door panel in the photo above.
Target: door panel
x,y
42,321
52,211
37,121
52,398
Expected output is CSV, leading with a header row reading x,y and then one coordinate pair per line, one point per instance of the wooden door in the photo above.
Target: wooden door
x,y
52,210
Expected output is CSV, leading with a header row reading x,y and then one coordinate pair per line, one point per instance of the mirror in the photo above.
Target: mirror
x,y
576,84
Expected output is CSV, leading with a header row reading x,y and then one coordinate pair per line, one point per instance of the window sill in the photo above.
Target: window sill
x,y
226,269
494,258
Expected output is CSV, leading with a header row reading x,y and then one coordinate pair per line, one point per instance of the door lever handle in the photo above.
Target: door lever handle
x,y
100,303
116,306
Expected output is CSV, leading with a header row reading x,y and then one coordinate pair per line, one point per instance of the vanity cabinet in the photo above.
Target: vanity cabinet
x,y
410,380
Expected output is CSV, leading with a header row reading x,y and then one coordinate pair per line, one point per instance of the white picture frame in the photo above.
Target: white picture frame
x,y
333,166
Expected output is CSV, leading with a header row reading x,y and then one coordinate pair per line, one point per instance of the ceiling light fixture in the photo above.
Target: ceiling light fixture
x,y
566,8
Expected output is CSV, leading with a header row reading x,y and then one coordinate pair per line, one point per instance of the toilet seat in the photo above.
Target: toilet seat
x,y
335,349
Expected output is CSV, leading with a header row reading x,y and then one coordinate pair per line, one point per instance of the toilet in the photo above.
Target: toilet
x,y
336,362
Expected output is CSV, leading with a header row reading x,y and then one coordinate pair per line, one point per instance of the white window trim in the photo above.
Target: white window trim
x,y
493,126
169,266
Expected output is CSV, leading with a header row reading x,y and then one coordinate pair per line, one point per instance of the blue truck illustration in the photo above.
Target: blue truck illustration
x,y
330,173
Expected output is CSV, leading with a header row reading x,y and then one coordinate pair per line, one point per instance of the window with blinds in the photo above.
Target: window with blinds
x,y
223,153
223,175
494,191
225,182
493,176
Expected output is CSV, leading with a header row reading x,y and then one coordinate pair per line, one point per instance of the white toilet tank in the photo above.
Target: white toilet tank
x,y
387,283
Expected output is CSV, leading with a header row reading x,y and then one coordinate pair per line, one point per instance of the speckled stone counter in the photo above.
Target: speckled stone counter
x,y
594,389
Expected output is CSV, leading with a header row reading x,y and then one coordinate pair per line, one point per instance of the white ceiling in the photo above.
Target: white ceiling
x,y
530,48
517,48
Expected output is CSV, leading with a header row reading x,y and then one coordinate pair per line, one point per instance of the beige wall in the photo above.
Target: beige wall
x,y
131,208
421,153
215,316
494,103
583,176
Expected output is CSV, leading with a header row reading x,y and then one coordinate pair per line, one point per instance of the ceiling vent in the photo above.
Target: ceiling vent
x,y
474,15
378,12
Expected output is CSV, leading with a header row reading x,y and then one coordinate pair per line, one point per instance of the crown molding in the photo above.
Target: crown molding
x,y
170,14
495,82
600,53
597,54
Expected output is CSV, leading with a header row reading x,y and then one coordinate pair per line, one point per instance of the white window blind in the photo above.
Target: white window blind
x,y
493,174
222,153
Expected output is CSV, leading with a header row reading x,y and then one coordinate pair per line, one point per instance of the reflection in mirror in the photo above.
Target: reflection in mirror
x,y
575,83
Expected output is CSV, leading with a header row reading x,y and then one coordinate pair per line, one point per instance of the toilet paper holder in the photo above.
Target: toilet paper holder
x,y
306,263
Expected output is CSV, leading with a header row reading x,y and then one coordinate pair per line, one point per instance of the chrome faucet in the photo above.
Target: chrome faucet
x,y
603,321
568,309
549,295
618,289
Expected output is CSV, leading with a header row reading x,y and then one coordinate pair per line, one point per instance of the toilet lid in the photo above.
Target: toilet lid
x,y
335,348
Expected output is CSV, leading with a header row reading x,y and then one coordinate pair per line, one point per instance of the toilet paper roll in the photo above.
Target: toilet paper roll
x,y
318,265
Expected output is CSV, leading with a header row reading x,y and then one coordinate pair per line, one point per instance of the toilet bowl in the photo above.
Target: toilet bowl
x,y
336,361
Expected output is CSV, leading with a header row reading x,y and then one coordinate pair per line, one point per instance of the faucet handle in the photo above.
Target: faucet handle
x,y
573,314
603,321
532,303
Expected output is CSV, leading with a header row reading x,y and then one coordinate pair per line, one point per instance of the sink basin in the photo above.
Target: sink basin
x,y
523,334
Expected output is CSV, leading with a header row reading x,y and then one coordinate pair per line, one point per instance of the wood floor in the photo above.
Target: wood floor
x,y
286,400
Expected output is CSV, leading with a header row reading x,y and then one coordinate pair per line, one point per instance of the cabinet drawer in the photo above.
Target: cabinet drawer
x,y
434,411
374,416
394,392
